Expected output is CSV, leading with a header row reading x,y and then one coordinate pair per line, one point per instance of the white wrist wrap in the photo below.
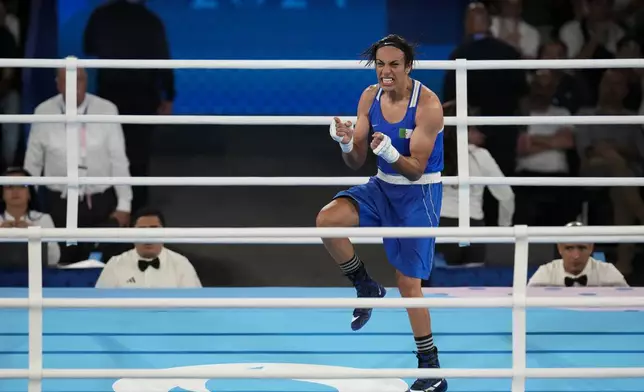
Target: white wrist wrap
x,y
346,148
386,151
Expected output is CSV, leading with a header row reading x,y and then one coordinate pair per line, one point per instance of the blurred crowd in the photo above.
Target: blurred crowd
x,y
494,30
575,29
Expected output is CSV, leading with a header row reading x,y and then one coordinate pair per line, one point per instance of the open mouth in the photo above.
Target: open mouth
x,y
387,81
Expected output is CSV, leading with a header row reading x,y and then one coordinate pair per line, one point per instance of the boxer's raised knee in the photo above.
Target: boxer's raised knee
x,y
341,212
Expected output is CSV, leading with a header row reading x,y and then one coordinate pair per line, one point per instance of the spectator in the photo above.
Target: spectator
x,y
102,154
615,151
595,36
9,98
128,30
547,15
12,22
629,48
577,268
493,92
543,152
571,91
19,208
481,164
149,265
627,12
513,30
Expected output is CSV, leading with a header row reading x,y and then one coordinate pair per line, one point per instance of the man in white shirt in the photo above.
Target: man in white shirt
x,y
511,28
542,151
101,154
577,268
149,265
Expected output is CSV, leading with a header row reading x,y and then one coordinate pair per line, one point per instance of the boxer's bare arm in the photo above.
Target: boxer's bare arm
x,y
356,158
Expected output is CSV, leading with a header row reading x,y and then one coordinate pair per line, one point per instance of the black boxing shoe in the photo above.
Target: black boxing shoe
x,y
427,361
366,288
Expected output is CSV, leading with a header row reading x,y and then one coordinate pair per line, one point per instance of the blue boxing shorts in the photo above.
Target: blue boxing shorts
x,y
382,204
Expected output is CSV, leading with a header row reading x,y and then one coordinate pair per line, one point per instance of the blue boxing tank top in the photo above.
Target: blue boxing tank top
x,y
400,132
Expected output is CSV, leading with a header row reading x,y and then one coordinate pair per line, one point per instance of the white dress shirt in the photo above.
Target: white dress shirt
x,y
598,273
35,218
105,148
572,35
549,161
481,165
529,38
122,271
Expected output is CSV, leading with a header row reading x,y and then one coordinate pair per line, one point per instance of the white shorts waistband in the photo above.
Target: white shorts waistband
x,y
427,178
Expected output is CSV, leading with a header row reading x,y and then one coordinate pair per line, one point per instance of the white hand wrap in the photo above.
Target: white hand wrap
x,y
386,150
346,148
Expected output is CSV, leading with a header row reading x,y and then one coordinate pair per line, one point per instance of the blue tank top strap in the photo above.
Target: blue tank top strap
x,y
415,94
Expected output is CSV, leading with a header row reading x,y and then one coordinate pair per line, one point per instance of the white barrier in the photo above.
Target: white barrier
x,y
520,235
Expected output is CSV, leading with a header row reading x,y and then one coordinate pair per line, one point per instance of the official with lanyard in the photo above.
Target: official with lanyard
x,y
101,154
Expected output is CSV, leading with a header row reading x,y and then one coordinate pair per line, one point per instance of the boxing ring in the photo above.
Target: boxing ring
x,y
298,339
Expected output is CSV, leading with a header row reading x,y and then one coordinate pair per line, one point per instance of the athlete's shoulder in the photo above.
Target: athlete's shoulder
x,y
367,97
429,111
370,92
428,99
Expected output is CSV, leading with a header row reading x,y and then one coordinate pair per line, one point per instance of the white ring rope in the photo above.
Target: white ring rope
x,y
303,120
315,181
204,235
520,235
327,303
318,64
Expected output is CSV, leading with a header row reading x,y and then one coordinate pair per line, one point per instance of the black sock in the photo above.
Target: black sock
x,y
353,267
425,344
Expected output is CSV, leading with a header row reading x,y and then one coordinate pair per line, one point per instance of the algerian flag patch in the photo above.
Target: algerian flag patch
x,y
405,133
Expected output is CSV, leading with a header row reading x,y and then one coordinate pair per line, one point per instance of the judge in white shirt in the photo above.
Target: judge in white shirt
x,y
577,268
19,209
481,164
101,154
149,265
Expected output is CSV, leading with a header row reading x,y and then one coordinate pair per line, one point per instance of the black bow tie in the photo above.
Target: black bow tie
x,y
582,280
144,264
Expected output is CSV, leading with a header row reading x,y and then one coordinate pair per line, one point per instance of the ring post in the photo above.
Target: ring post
x,y
519,328
34,252
71,127
462,147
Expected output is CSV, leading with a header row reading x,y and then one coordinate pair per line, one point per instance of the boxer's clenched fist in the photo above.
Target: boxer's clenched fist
x,y
376,140
381,146
342,133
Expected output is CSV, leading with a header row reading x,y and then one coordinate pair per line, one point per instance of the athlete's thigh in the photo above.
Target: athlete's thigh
x,y
366,198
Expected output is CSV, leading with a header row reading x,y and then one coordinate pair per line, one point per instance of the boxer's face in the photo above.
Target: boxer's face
x,y
390,68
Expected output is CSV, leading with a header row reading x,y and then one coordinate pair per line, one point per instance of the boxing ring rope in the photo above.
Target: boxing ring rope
x,y
521,236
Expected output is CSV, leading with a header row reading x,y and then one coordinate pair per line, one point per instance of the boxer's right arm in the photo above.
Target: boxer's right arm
x,y
358,155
